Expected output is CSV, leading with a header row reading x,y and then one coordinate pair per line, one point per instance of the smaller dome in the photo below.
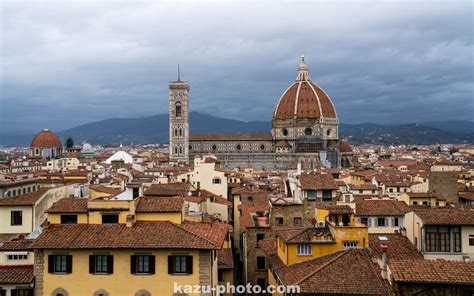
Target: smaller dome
x,y
46,139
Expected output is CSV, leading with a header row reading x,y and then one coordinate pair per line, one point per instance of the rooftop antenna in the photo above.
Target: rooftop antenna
x,y
179,76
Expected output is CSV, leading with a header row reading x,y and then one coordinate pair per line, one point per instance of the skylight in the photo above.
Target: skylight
x,y
383,238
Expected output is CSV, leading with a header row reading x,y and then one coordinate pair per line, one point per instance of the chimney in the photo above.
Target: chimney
x,y
384,248
130,220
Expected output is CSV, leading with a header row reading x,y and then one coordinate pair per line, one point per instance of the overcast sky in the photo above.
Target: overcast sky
x,y
68,64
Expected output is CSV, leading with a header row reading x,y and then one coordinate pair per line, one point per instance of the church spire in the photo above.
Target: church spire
x,y
303,74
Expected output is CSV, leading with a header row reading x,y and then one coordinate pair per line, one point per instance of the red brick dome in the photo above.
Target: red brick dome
x,y
46,139
304,99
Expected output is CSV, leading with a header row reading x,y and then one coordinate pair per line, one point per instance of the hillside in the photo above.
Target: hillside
x,y
154,129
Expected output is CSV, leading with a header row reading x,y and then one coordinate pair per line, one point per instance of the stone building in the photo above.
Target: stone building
x,y
305,129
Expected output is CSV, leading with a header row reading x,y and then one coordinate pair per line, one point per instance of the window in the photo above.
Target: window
x,y
373,191
216,180
364,221
60,263
180,264
21,292
311,194
327,195
415,203
304,250
178,109
381,222
347,198
442,238
284,132
17,256
471,240
68,219
220,275
262,147
297,220
16,218
390,190
238,147
142,264
308,131
110,218
260,236
260,262
214,147
101,264
361,191
396,222
279,221
350,245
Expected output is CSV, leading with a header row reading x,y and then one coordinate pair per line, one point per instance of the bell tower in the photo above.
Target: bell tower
x,y
179,120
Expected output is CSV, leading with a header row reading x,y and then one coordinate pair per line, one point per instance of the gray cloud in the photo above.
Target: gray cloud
x,y
387,62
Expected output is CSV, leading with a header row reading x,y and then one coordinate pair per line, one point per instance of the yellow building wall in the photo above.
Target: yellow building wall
x,y
273,282
227,278
288,252
121,282
95,217
54,218
175,217
97,194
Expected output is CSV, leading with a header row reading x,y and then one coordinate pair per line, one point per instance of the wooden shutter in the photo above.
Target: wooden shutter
x,y
110,264
68,263
91,263
151,264
133,264
170,264
50,263
189,264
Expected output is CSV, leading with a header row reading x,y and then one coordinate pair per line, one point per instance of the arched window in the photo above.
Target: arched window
x,y
176,149
59,292
101,292
180,149
143,293
175,132
178,110
308,131
180,132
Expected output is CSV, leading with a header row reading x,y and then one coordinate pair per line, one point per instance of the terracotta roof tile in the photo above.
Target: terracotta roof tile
x,y
16,245
433,271
69,205
326,274
225,259
28,199
445,216
380,207
160,204
171,189
304,235
400,247
142,235
315,181
16,274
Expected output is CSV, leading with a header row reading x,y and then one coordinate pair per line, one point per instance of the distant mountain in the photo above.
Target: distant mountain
x,y
154,129
410,134
453,126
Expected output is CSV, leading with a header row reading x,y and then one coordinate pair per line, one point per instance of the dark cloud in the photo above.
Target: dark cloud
x,y
386,62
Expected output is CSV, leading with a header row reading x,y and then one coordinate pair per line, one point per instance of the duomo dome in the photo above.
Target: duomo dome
x,y
304,99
